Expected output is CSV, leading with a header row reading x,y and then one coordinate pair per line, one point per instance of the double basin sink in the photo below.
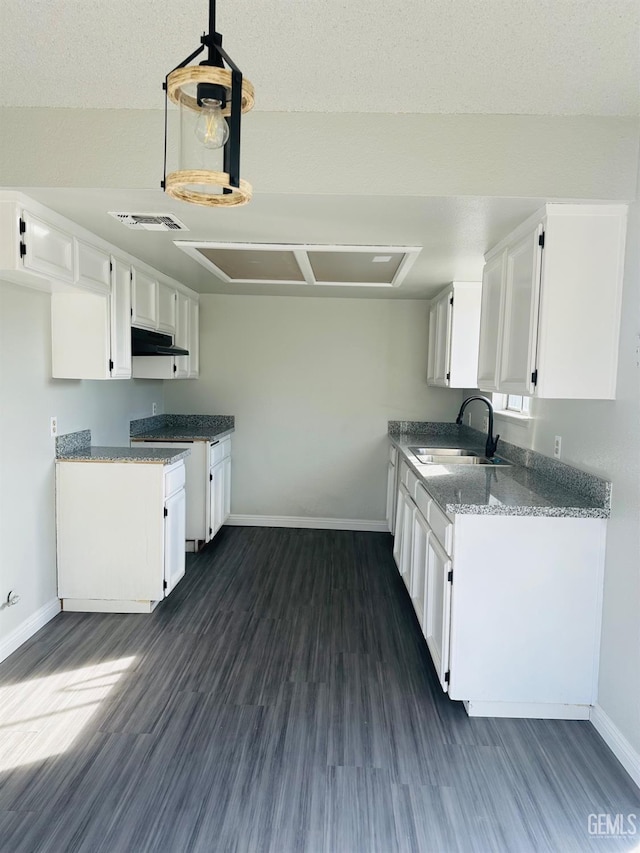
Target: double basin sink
x,y
454,456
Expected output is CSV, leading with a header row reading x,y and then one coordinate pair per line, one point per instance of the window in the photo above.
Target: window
x,y
512,404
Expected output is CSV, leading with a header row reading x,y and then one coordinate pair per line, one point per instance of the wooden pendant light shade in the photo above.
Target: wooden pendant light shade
x,y
209,126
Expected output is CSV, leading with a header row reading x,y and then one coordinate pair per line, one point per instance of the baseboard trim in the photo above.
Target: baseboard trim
x,y
617,742
29,627
529,710
311,523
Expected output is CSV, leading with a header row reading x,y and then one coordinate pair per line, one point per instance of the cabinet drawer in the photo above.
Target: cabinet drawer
x,y
423,499
219,451
440,525
174,478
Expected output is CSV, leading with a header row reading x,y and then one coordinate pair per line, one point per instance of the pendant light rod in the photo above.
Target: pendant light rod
x,y
212,26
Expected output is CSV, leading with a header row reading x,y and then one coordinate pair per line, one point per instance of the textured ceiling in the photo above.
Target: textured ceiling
x,y
543,57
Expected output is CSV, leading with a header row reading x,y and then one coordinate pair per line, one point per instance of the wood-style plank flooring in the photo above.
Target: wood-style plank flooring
x,y
281,699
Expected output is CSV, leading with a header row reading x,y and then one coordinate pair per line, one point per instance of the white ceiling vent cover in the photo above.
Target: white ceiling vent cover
x,y
150,221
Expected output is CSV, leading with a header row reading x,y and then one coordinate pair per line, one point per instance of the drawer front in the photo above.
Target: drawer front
x,y
404,473
219,451
174,478
423,499
393,454
441,526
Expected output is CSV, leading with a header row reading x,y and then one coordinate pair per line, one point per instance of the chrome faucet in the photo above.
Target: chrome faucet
x,y
492,442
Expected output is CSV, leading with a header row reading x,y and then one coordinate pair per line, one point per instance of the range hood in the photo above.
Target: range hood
x,y
144,342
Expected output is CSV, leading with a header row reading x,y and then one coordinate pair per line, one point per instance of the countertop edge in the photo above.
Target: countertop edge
x,y
155,436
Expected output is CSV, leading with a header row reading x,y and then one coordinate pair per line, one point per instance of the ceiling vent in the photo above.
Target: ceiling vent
x,y
150,221
281,263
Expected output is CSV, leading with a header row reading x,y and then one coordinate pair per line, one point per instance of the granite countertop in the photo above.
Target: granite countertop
x,y
521,489
181,434
182,428
146,455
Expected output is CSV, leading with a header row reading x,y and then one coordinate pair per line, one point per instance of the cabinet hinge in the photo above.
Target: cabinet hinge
x,y
131,311
448,376
175,368
541,240
164,584
23,226
166,512
451,300
130,275
450,576
110,266
110,364
447,676
534,377
210,531
210,477
23,249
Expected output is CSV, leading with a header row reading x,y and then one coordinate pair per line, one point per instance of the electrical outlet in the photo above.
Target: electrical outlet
x,y
154,408
468,418
485,423
53,426
557,446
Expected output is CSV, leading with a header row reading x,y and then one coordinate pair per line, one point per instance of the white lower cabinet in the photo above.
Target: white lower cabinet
x,y
509,606
120,534
208,486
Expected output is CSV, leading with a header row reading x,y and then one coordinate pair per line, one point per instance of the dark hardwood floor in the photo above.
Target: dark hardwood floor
x,y
281,699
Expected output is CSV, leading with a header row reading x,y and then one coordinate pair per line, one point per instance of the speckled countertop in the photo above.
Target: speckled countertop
x,y
515,490
182,428
147,455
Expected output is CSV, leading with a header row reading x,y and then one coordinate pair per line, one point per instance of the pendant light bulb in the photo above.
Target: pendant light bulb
x,y
211,128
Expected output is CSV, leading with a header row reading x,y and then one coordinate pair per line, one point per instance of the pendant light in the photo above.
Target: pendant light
x,y
211,99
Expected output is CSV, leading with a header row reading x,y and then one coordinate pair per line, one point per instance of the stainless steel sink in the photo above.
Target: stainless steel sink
x,y
441,451
454,456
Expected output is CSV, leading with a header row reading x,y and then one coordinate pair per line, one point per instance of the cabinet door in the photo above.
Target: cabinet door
x,y
398,526
166,309
443,339
520,325
120,319
194,339
419,566
174,538
408,514
438,608
491,323
49,250
216,498
92,267
431,357
391,496
227,489
182,334
144,300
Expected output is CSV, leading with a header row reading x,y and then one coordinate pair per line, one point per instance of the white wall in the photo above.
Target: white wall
x,y
28,398
338,153
312,383
603,437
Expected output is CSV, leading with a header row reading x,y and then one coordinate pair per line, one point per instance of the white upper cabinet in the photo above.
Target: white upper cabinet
x,y
454,329
120,317
490,324
551,305
519,334
47,249
144,300
194,339
182,338
92,266
167,299
91,332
